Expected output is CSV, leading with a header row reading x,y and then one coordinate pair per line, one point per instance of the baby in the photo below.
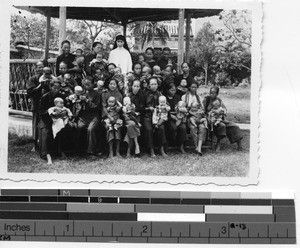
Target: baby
x,y
76,101
67,85
100,86
129,111
113,120
60,115
181,113
160,113
157,73
182,88
196,115
217,113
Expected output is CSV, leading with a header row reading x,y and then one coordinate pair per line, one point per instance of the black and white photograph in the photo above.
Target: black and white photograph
x,y
133,92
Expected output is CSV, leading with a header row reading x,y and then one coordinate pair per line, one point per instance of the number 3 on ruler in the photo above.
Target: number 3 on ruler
x,y
224,230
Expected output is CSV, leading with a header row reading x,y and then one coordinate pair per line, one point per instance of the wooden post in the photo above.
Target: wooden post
x,y
124,29
47,36
180,39
187,36
62,25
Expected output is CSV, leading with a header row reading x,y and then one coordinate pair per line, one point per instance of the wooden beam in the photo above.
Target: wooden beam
x,y
124,29
187,36
47,36
62,25
180,39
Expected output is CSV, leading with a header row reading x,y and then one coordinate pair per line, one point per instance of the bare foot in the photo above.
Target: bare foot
x,y
63,155
182,150
118,154
111,155
137,150
33,149
152,154
218,147
162,152
240,148
49,159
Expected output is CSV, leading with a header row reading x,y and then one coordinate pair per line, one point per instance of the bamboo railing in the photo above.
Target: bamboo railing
x,y
19,72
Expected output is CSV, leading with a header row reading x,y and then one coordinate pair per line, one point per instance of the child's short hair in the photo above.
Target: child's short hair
x,y
78,88
162,98
216,101
126,100
57,100
111,98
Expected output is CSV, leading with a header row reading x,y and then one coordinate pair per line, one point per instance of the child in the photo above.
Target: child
x,y
77,71
182,88
181,113
63,68
79,52
98,75
160,114
217,113
196,116
158,74
60,115
67,85
100,86
129,111
75,100
113,120
45,79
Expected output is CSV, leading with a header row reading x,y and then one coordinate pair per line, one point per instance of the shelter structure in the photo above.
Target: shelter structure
x,y
123,17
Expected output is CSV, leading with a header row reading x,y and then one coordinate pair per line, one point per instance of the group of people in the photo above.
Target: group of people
x,y
94,103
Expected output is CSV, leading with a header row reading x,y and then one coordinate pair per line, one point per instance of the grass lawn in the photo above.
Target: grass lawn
x,y
236,100
229,162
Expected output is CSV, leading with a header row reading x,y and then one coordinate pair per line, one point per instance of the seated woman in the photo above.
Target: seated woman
x,y
151,101
133,131
223,128
198,132
175,131
112,135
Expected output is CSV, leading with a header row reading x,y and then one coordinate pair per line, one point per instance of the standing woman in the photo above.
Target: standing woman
x,y
120,55
174,132
185,67
198,133
223,129
66,57
133,131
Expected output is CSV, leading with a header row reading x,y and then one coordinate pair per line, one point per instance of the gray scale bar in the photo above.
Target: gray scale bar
x,y
168,208
239,217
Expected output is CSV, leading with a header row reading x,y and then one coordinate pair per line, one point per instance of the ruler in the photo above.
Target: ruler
x,y
146,216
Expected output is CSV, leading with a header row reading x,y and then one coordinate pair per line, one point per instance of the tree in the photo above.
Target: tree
x,y
204,48
31,31
234,48
149,30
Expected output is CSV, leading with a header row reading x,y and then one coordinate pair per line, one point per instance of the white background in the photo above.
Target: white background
x,y
280,114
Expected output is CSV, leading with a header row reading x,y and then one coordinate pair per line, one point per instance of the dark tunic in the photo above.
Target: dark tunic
x,y
68,59
174,132
162,62
223,129
45,129
87,60
151,100
189,79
